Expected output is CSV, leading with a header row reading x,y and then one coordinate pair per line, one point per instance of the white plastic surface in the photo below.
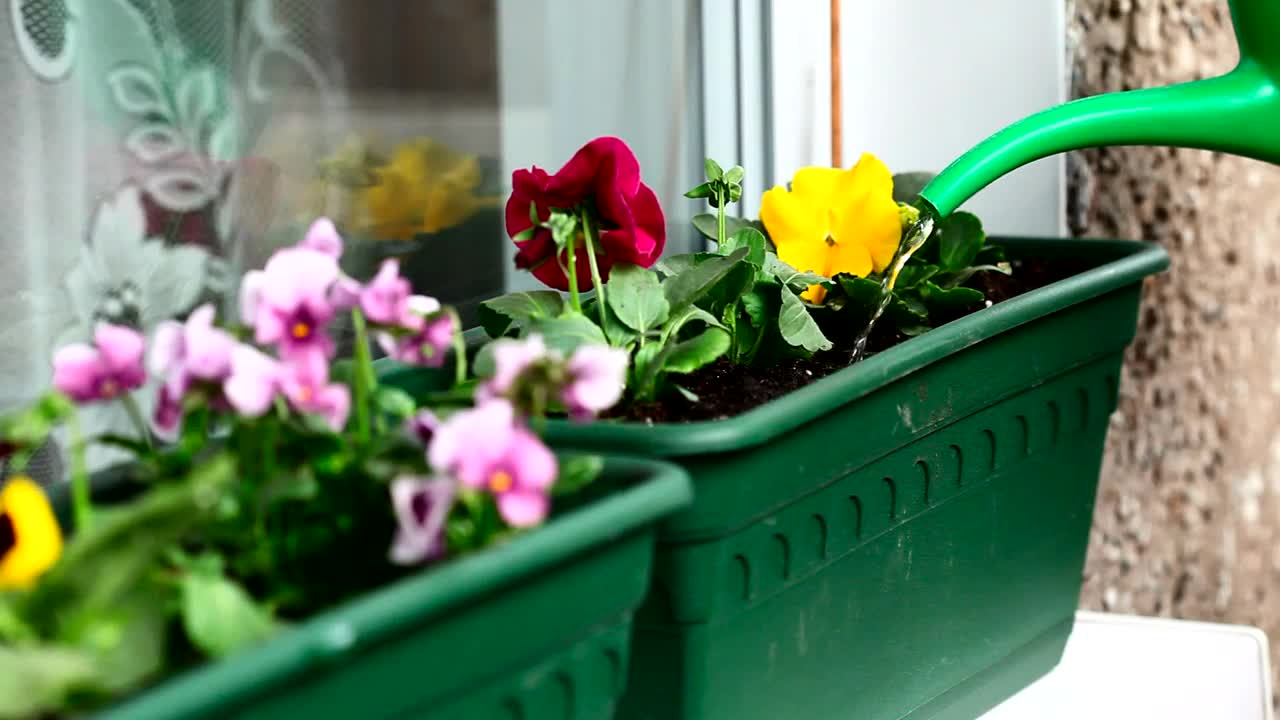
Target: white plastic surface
x,y
1120,667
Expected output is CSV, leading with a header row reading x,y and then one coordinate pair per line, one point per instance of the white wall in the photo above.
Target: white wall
x,y
572,70
923,81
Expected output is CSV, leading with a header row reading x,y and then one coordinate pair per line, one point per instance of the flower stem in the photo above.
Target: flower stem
x,y
135,417
589,242
459,350
364,381
81,503
572,274
720,198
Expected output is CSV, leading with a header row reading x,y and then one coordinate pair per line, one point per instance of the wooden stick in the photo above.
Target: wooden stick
x,y
837,140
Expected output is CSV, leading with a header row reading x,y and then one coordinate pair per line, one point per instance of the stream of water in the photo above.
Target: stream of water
x,y
911,242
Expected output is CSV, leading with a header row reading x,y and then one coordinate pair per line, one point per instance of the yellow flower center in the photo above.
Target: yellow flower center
x,y
501,481
30,539
300,330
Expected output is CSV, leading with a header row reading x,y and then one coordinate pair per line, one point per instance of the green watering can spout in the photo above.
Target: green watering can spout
x,y
1237,113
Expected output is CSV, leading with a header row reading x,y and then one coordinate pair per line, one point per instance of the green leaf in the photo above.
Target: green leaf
x,y
734,175
756,307
520,308
739,280
676,264
907,186
128,638
705,223
913,275
616,331
788,275
735,193
714,172
41,680
960,237
636,297
483,364
991,255
702,349
395,402
577,472
218,615
750,238
643,366
568,332
691,285
698,192
797,326
949,300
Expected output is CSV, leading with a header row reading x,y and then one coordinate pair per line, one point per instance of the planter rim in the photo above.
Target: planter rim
x,y
1130,261
350,628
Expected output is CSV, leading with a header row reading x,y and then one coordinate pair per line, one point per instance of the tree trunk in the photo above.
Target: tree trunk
x,y
1188,517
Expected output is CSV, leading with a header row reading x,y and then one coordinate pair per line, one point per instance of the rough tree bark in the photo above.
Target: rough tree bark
x,y
1188,516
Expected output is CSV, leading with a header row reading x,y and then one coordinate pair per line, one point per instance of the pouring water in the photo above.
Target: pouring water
x,y
912,240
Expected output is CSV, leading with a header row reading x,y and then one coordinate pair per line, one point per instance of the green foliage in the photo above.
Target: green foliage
x,y
520,309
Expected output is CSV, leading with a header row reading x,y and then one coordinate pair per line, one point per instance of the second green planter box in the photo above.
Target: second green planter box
x,y
902,539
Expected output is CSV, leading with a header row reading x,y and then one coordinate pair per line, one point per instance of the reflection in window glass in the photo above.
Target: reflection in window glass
x,y
158,147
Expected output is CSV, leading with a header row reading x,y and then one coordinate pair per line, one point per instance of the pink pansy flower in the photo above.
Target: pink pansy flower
x,y
487,448
305,383
253,383
510,359
593,378
184,355
597,375
111,366
428,338
323,237
421,506
288,302
385,300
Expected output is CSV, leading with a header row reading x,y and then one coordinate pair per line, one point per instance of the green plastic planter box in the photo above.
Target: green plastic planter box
x,y
903,539
536,628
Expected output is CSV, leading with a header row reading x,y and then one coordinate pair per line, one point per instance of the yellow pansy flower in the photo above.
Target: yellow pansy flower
x,y
30,539
835,221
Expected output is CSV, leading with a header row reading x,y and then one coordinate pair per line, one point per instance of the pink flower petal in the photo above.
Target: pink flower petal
x,y
523,509
77,370
421,508
597,379
534,466
167,416
253,383
122,349
334,402
251,296
323,237
511,358
468,443
167,348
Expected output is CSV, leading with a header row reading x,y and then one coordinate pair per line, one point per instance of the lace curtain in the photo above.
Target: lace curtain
x,y
132,189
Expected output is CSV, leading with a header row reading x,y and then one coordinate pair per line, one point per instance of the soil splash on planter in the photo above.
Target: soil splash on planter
x,y
725,389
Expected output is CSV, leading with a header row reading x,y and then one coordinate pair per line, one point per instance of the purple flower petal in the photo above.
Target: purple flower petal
x,y
334,403
168,414
251,296
345,293
423,425
421,507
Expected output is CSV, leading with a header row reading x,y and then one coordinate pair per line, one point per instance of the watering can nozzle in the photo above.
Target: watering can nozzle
x,y
1237,113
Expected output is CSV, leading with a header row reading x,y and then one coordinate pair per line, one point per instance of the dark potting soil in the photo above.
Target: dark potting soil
x,y
725,389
